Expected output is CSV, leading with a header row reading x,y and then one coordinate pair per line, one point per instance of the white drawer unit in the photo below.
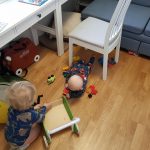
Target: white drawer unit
x,y
8,36
34,18
22,16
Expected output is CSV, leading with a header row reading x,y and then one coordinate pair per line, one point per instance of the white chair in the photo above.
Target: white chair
x,y
100,36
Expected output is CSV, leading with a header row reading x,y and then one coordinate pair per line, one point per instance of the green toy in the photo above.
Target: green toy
x,y
58,118
51,79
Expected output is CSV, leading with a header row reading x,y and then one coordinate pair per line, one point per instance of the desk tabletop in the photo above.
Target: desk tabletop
x,y
13,12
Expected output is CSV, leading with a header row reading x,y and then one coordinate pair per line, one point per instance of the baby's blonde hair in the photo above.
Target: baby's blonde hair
x,y
20,95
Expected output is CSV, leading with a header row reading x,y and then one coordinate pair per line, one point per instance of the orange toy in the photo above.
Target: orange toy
x,y
91,91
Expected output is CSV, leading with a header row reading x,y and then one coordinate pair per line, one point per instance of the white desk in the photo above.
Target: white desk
x,y
22,16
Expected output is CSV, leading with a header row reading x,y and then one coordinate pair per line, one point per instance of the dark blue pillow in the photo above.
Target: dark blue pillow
x,y
142,2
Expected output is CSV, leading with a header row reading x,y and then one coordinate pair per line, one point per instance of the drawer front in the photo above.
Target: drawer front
x,y
37,16
7,37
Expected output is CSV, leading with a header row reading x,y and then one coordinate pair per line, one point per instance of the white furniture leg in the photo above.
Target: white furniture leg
x,y
58,28
69,124
70,52
34,35
117,53
105,65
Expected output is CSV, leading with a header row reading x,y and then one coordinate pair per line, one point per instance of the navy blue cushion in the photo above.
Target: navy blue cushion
x,y
139,37
144,49
135,21
147,30
141,2
136,18
130,44
102,9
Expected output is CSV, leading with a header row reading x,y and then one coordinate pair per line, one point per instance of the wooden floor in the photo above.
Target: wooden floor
x,y
117,118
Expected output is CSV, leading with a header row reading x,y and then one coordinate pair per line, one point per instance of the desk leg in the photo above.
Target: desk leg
x,y
58,28
35,36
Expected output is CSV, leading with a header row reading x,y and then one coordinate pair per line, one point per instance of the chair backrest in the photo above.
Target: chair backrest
x,y
116,22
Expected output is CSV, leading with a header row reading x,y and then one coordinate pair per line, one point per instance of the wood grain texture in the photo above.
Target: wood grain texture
x,y
117,118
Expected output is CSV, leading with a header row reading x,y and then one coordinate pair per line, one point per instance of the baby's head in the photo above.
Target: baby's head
x,y
20,95
75,83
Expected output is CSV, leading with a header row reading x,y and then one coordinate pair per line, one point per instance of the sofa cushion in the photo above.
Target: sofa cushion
x,y
101,9
141,2
144,49
136,18
130,44
139,37
147,30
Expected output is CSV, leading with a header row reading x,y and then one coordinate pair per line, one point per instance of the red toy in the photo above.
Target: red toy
x,y
132,53
20,55
66,92
91,91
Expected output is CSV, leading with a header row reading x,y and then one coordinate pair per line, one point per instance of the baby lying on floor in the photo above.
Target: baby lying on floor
x,y
76,78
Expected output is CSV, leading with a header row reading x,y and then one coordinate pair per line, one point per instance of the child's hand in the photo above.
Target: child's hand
x,y
38,106
48,106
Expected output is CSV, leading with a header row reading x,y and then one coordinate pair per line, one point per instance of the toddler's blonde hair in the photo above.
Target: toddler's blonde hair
x,y
20,95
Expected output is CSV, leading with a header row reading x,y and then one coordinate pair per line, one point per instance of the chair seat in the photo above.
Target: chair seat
x,y
92,31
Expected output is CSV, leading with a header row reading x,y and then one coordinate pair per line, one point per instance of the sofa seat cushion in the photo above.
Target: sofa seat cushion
x,y
144,49
138,37
101,9
147,30
135,20
130,44
142,2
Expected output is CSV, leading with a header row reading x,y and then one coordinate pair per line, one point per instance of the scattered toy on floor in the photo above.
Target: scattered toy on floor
x,y
51,79
91,91
65,74
76,58
76,78
38,100
132,53
111,61
65,68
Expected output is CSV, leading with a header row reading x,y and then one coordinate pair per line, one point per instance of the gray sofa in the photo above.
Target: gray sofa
x,y
136,28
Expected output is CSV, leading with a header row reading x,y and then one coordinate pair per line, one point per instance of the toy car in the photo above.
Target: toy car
x,y
51,79
20,55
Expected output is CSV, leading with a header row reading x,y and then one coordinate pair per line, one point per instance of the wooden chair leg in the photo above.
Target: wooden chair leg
x,y
105,65
70,52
